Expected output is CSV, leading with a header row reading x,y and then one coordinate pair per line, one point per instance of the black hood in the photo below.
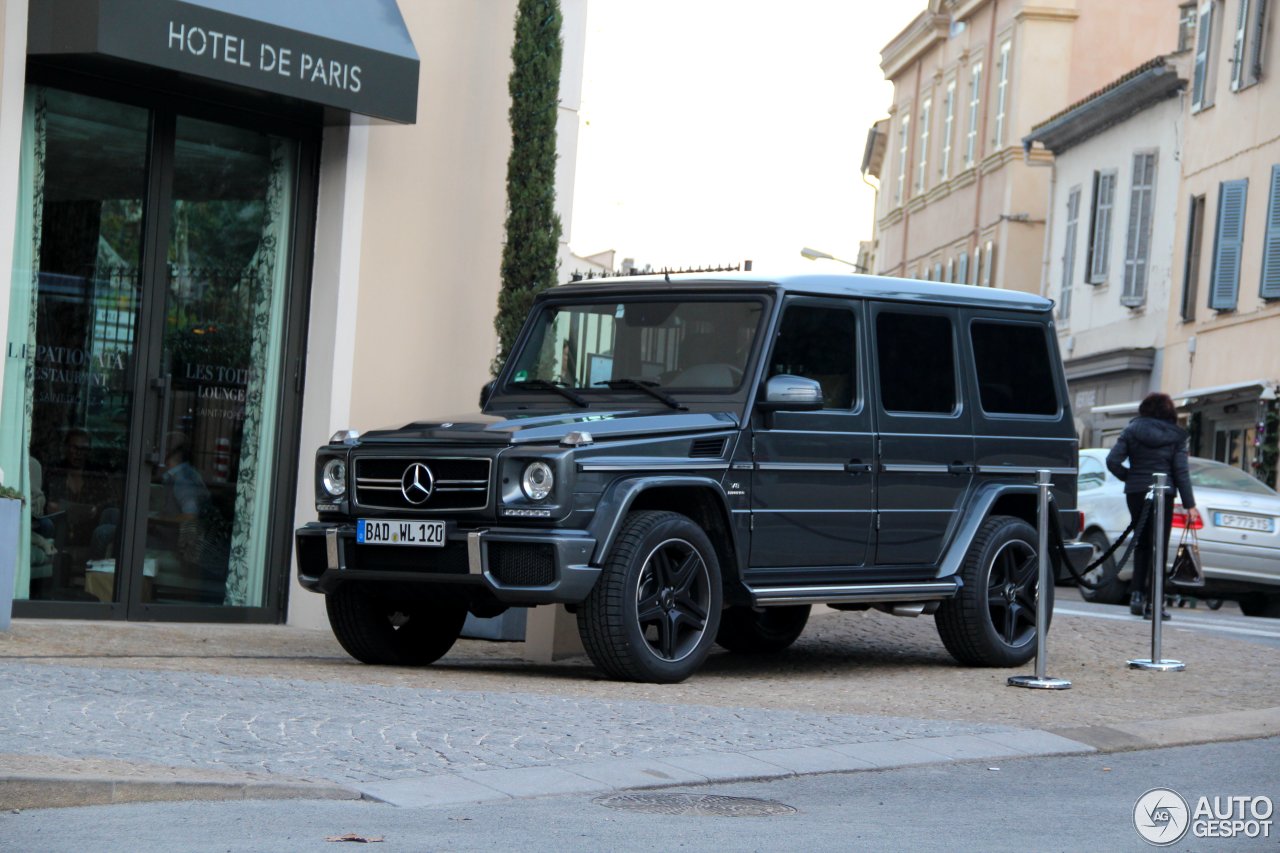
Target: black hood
x,y
536,428
1154,432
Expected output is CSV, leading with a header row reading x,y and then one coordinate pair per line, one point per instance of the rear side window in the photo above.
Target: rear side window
x,y
917,363
1015,376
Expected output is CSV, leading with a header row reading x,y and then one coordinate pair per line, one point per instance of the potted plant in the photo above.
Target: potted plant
x,y
10,527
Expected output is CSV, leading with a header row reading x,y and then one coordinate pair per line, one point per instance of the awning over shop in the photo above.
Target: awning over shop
x,y
1263,389
352,55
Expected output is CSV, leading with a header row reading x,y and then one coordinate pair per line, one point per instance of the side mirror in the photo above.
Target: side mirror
x,y
487,391
786,393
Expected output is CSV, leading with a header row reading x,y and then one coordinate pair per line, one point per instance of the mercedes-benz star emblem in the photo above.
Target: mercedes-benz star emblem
x,y
417,483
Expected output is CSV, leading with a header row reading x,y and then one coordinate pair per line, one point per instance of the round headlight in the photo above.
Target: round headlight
x,y
334,477
537,480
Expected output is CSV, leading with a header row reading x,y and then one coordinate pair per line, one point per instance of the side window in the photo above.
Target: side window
x,y
819,343
1015,376
917,363
1091,474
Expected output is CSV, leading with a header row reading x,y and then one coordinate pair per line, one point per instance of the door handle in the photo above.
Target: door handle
x,y
163,385
857,466
958,468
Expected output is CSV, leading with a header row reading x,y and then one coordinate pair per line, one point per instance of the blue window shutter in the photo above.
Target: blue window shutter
x,y
1224,285
1271,243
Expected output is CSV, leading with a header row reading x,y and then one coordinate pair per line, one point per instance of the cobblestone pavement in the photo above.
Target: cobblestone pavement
x,y
358,733
273,702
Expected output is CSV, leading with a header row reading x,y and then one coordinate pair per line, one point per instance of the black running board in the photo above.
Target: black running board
x,y
854,593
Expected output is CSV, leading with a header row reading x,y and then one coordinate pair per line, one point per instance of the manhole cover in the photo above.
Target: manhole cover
x,y
707,805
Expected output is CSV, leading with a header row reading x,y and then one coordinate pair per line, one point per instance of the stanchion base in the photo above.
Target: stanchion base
x,y
1158,666
1045,683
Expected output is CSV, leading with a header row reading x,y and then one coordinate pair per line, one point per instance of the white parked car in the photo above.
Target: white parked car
x,y
1239,532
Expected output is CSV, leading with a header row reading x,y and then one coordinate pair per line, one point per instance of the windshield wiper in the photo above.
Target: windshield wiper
x,y
648,387
548,385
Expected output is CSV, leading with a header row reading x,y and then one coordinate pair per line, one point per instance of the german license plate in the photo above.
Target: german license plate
x,y
376,531
1244,522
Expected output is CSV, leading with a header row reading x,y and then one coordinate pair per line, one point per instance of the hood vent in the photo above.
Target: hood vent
x,y
707,448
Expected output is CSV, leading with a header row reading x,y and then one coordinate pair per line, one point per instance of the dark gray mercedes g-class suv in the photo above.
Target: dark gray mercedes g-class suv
x,y
690,460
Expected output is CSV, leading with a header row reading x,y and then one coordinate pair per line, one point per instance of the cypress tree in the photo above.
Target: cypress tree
x,y
529,257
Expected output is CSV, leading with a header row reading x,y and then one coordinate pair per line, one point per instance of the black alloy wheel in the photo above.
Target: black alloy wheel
x,y
654,612
992,620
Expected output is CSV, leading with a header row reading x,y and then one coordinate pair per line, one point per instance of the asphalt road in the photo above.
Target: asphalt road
x,y
1226,622
1084,803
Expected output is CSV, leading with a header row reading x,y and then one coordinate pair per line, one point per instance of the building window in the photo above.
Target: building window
x,y
937,271
1202,74
1191,270
988,264
1137,250
975,101
962,267
1069,253
1002,94
922,153
1186,26
977,265
948,128
1246,45
1104,190
951,271
1271,242
904,144
1228,244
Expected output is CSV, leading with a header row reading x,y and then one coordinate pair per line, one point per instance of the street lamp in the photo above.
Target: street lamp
x,y
815,255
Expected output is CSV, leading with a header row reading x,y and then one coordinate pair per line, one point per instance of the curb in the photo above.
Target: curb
x,y
53,791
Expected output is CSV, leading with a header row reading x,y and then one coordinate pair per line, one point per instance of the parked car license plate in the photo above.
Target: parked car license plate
x,y
375,531
1244,522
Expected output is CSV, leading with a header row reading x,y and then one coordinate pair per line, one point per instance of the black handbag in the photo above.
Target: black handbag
x,y
1186,573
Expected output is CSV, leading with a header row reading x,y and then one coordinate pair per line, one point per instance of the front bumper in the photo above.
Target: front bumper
x,y
515,566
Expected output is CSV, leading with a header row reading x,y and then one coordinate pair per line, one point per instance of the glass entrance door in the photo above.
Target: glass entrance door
x,y
143,386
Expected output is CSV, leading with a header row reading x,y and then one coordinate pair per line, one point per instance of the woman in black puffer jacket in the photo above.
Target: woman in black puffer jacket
x,y
1154,444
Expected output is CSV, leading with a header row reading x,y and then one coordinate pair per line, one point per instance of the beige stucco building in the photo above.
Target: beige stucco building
x,y
1222,354
234,230
958,201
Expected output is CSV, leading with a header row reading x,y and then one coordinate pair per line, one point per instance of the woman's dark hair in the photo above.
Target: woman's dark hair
x,y
1160,406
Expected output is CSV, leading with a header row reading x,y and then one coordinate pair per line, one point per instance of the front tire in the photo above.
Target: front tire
x,y
376,628
1111,590
746,630
992,620
653,614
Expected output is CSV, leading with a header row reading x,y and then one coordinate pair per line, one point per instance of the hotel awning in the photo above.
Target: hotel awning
x,y
1264,389
350,55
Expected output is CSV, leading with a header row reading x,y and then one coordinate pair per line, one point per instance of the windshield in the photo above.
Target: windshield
x,y
677,346
1215,475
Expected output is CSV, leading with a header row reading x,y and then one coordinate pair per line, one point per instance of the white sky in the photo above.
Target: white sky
x,y
713,131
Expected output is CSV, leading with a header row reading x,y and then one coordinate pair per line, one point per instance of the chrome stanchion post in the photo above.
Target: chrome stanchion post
x,y
1158,489
1043,585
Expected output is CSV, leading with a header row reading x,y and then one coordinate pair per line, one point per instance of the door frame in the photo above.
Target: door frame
x,y
304,126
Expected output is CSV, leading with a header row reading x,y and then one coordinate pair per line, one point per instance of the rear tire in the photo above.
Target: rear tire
x,y
655,610
1111,590
992,620
755,632
377,629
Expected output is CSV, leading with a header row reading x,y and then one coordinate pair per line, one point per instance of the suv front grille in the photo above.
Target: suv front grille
x,y
458,483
